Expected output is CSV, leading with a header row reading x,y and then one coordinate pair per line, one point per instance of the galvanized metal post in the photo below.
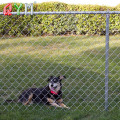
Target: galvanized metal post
x,y
107,62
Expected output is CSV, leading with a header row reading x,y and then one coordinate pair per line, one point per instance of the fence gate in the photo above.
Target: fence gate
x,y
83,46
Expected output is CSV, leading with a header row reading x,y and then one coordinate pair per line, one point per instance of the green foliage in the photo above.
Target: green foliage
x,y
58,24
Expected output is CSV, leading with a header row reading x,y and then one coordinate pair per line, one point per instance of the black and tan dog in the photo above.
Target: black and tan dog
x,y
50,94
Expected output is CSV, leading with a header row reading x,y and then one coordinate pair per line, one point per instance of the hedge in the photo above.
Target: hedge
x,y
36,25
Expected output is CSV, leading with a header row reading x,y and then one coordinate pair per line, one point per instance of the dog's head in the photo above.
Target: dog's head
x,y
55,83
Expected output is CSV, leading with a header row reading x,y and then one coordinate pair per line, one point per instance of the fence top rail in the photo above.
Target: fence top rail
x,y
66,12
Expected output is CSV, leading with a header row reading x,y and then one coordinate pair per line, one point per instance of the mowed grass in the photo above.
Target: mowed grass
x,y
29,61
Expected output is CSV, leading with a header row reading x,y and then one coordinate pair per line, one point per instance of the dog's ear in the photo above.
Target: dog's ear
x,y
61,77
50,78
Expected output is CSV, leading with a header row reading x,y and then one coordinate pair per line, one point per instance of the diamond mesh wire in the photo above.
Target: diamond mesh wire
x,y
70,45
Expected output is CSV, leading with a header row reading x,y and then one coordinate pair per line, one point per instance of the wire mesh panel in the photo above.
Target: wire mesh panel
x,y
32,48
114,63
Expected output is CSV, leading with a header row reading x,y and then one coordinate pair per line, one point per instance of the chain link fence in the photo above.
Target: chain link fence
x,y
83,46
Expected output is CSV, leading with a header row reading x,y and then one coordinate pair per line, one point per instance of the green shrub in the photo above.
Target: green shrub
x,y
58,24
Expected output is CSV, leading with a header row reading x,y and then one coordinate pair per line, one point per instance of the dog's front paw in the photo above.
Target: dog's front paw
x,y
63,105
67,107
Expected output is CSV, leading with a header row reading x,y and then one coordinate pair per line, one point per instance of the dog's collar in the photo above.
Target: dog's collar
x,y
53,92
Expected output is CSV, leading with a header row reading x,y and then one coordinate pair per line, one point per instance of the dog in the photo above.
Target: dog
x,y
49,95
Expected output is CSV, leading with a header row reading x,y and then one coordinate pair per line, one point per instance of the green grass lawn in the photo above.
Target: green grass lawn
x,y
29,61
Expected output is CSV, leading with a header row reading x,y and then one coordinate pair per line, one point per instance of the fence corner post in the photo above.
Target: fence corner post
x,y
107,62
